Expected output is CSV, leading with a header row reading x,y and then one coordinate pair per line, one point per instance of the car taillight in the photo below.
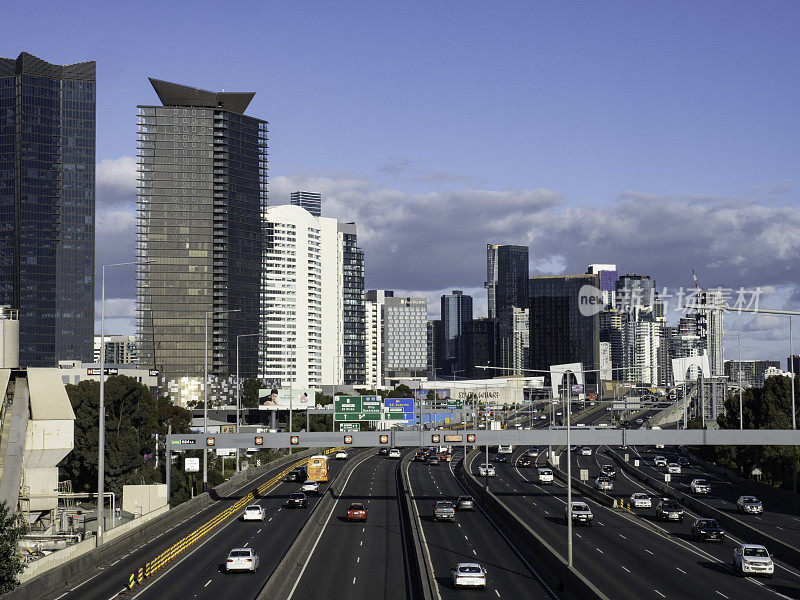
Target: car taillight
x,y
248,560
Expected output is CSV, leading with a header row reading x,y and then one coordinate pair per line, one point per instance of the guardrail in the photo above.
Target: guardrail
x,y
150,568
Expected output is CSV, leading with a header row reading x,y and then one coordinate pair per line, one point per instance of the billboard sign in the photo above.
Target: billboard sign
x,y
191,465
286,398
349,426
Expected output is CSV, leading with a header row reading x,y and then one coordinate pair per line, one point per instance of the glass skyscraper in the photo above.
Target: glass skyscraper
x,y
202,197
354,316
311,201
47,179
506,289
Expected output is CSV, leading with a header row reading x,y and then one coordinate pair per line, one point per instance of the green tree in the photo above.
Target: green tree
x,y
11,529
401,391
250,389
172,417
131,422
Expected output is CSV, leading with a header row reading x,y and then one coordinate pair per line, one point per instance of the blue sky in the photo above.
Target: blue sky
x,y
659,135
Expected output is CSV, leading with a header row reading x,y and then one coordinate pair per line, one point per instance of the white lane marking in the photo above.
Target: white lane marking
x,y
720,593
245,544
681,570
648,551
622,536
259,531
598,549
358,559
354,580
207,582
498,593
475,553
626,568
62,595
361,543
659,593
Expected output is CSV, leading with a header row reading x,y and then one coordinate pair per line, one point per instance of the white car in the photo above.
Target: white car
x,y
673,468
586,451
581,513
749,504
310,487
394,453
700,486
641,500
752,559
341,455
604,484
486,470
468,575
253,512
545,475
660,461
241,559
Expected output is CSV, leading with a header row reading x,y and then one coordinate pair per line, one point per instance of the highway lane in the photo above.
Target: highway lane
x,y
628,556
779,519
201,573
113,576
361,560
472,538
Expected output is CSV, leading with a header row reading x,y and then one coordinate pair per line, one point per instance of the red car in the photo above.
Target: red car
x,y
356,512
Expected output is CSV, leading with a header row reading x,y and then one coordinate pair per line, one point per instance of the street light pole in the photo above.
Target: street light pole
x,y
238,391
794,419
205,392
741,409
101,426
568,375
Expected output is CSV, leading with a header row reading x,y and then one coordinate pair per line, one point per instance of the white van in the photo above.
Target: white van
x,y
545,475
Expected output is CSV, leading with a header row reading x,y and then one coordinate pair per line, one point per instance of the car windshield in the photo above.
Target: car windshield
x,y
756,552
253,507
640,496
545,471
444,505
750,500
356,507
670,505
580,507
707,523
298,495
309,482
465,499
700,481
469,569
239,553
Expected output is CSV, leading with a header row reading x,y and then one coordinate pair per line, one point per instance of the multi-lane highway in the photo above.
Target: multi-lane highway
x,y
471,538
631,555
199,570
355,559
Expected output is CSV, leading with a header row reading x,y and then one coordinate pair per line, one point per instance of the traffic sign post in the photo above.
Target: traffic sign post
x,y
349,426
357,408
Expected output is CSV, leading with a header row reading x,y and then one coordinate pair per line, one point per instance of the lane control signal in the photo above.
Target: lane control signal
x,y
384,439
435,438
294,440
210,441
348,439
259,440
470,437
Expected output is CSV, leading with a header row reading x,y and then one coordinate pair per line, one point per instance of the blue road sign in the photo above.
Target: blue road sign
x,y
406,404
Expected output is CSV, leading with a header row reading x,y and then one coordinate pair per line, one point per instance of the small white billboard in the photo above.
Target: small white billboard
x,y
191,465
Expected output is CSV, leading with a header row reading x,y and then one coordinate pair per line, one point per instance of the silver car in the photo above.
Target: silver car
x,y
749,504
465,503
603,484
468,575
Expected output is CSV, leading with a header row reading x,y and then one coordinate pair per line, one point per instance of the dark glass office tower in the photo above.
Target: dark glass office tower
x,y
310,201
559,332
47,158
354,316
202,193
456,312
506,289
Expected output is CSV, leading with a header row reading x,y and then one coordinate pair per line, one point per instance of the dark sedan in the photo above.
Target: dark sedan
x,y
297,500
707,530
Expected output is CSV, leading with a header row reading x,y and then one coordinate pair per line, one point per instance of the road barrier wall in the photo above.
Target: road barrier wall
x,y
585,489
424,578
536,550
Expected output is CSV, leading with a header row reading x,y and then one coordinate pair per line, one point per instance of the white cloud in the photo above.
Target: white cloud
x,y
116,181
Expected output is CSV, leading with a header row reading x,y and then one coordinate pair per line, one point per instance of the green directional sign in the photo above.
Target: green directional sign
x,y
357,408
349,426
